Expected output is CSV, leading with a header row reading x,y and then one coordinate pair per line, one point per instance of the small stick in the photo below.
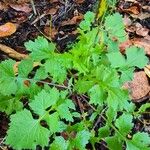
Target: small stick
x,y
33,6
12,53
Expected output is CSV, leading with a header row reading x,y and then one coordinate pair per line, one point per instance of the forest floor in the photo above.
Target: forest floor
x,y
57,20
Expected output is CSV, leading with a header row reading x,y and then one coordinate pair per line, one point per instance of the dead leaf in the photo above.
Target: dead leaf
x,y
52,11
3,6
139,87
54,1
131,29
140,30
21,7
133,10
16,1
146,8
79,1
127,21
141,16
74,20
50,32
7,29
147,70
12,53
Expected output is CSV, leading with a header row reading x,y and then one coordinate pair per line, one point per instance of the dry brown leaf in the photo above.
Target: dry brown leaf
x,y
139,87
140,30
146,8
141,16
79,1
3,6
133,10
142,42
12,53
54,1
74,20
127,21
21,7
16,1
147,70
7,29
50,32
52,11
131,29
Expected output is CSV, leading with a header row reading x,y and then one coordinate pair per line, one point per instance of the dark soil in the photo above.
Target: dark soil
x,y
27,30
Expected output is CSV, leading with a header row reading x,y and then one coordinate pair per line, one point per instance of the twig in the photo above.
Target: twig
x,y
12,53
44,82
42,33
141,99
83,97
96,123
33,6
38,18
80,105
1,143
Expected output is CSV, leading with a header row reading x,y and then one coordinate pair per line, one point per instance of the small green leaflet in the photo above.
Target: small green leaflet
x,y
59,144
112,3
113,143
56,70
97,95
81,139
40,48
64,112
107,76
83,85
54,123
115,27
117,99
88,19
140,141
26,132
124,123
143,108
56,64
111,114
44,100
9,104
41,74
135,58
8,84
57,67
82,52
25,67
108,90
104,131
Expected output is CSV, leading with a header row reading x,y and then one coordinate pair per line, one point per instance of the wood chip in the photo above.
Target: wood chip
x,y
139,87
7,29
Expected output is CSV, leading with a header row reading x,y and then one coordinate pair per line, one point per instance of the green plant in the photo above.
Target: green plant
x,y
94,70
